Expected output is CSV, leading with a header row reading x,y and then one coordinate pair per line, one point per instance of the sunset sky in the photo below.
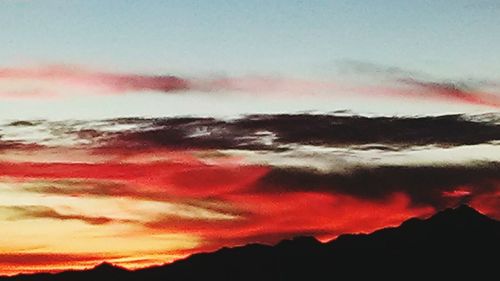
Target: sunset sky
x,y
140,132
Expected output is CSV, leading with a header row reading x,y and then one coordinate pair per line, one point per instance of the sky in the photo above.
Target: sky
x,y
317,41
140,132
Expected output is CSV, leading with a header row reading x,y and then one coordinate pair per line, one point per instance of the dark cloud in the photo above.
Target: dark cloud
x,y
426,185
37,212
264,132
339,130
461,91
9,144
277,131
180,133
23,123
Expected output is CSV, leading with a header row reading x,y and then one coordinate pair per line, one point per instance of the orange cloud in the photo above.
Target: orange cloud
x,y
269,218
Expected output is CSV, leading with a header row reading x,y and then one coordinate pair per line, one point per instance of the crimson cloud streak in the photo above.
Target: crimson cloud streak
x,y
47,81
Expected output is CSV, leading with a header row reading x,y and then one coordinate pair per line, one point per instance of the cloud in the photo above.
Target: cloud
x,y
34,262
15,145
275,132
54,81
66,76
419,85
167,179
267,84
452,91
180,137
425,185
42,212
60,259
488,203
236,204
270,217
358,69
321,141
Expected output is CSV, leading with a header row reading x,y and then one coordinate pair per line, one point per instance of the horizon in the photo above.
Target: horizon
x,y
107,264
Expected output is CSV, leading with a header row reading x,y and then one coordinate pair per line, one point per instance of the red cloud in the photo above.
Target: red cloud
x,y
488,203
180,179
451,92
269,218
113,82
106,82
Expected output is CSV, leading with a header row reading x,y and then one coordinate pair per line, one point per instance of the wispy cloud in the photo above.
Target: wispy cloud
x,y
43,212
50,259
53,81
398,81
452,92
357,69
70,77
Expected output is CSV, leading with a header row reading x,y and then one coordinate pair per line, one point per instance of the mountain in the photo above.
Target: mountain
x,y
454,243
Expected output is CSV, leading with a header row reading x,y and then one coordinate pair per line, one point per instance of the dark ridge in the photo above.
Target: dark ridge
x,y
454,243
108,267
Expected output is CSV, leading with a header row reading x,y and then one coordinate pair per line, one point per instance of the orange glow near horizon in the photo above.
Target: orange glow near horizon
x,y
143,208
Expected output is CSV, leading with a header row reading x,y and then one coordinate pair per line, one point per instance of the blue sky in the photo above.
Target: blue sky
x,y
445,39
453,37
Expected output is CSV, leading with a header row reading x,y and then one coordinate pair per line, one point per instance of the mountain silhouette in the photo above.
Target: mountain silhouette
x,y
454,243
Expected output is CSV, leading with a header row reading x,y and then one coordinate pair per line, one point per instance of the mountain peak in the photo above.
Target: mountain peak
x,y
106,266
461,213
464,208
